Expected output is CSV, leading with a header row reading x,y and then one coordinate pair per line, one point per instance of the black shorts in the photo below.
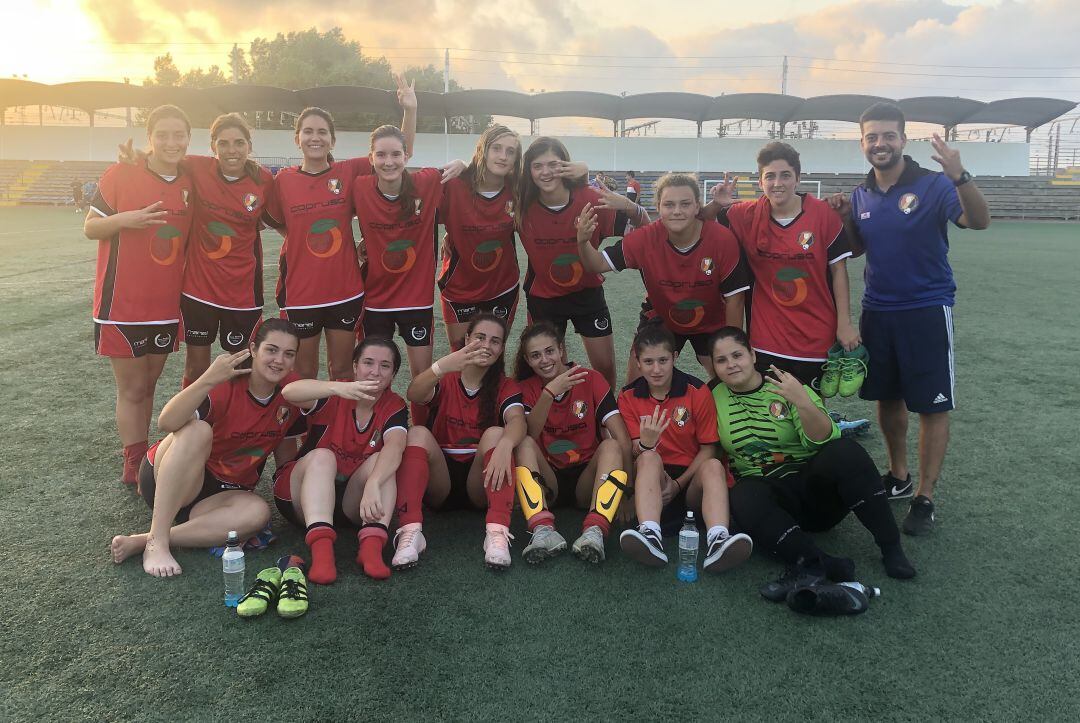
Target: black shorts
x,y
502,306
310,321
807,372
283,486
674,512
698,342
132,341
587,309
566,481
202,323
414,325
911,358
210,487
458,499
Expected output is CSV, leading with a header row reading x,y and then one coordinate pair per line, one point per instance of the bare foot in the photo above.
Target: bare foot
x,y
124,546
157,560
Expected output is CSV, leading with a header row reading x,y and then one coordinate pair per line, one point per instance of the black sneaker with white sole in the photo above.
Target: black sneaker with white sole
x,y
644,545
727,551
896,488
920,517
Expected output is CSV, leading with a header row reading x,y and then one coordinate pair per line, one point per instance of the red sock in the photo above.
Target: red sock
x,y
543,517
412,482
133,457
595,518
320,540
369,556
500,503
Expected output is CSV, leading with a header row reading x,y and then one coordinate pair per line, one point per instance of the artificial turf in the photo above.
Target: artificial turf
x,y
988,629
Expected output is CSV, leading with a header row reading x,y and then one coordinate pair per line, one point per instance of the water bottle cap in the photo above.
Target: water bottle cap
x,y
234,537
689,515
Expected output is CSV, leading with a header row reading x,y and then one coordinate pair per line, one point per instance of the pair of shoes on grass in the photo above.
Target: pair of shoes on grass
x,y
844,372
287,589
724,551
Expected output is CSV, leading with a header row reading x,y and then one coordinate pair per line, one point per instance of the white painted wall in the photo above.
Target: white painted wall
x,y
618,154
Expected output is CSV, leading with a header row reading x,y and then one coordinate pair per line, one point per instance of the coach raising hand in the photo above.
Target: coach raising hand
x,y
899,216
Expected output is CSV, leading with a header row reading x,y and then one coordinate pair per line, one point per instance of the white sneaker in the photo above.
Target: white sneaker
x,y
590,546
497,546
728,551
546,542
409,543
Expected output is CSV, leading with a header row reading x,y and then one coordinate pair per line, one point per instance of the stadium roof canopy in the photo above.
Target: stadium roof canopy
x,y
946,111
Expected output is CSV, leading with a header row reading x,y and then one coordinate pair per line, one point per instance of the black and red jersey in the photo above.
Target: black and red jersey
x,y
689,405
550,240
318,264
685,287
793,309
224,258
140,271
400,269
571,431
456,423
246,430
479,261
332,425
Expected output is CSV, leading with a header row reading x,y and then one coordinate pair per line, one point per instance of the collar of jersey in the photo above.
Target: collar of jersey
x,y
680,383
912,171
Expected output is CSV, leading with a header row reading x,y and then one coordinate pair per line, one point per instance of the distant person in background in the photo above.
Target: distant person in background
x,y
77,196
633,192
899,216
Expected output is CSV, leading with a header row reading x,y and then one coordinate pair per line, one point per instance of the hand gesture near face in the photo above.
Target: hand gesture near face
x,y
471,353
786,385
226,367
566,381
723,193
653,426
144,217
949,158
586,224
357,391
406,92
840,203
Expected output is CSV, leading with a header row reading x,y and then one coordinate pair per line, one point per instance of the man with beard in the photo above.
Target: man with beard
x,y
899,216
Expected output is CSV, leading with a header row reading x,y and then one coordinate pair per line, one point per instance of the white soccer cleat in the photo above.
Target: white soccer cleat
x,y
409,543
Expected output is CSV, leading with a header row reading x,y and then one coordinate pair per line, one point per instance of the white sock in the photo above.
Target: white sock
x,y
714,531
654,526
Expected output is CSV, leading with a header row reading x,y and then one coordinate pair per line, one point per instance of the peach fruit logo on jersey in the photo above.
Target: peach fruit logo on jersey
x,y
217,241
680,416
566,449
399,256
908,203
242,459
251,201
806,240
687,313
789,287
580,408
487,255
324,238
165,246
566,270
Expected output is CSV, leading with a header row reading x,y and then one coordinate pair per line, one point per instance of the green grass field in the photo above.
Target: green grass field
x,y
988,630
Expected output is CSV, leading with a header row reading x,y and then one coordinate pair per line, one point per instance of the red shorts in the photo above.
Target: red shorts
x,y
284,502
132,341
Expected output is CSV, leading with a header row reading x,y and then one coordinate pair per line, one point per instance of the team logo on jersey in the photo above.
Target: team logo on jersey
x,y
487,255
184,196
707,265
399,256
324,238
789,287
580,408
680,416
778,410
165,246
510,209
687,313
282,414
334,185
806,240
234,338
162,340
602,323
908,203
419,204
566,270
500,311
419,333
376,436
251,201
217,241
564,448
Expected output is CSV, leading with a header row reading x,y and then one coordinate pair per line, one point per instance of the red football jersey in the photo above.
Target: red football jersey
x,y
480,261
318,264
140,271
400,269
793,309
685,287
690,408
246,430
550,240
332,425
224,258
456,424
571,432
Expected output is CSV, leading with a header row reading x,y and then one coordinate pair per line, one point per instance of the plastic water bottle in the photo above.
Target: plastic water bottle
x,y
869,591
688,550
232,565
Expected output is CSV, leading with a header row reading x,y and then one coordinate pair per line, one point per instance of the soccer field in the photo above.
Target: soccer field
x,y
988,630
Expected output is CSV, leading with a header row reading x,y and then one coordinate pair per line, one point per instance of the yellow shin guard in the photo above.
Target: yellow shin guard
x,y
530,492
610,494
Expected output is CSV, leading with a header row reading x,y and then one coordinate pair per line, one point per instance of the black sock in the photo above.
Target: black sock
x,y
896,562
875,515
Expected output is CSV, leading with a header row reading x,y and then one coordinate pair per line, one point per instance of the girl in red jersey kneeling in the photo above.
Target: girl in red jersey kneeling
x,y
672,420
345,473
200,479
475,422
577,450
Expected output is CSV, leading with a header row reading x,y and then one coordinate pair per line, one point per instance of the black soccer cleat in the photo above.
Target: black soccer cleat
x,y
896,488
920,517
808,572
830,599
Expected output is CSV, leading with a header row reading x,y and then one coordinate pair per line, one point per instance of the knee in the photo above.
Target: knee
x,y
256,512
321,459
419,437
528,446
712,475
608,446
491,437
195,433
135,391
748,494
648,462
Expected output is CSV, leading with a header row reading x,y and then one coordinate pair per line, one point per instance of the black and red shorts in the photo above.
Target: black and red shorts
x,y
203,323
503,306
311,320
132,341
210,487
284,502
698,342
566,481
415,326
587,309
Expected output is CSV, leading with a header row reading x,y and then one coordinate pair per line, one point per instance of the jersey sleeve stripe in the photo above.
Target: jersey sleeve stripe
x,y
841,257
737,291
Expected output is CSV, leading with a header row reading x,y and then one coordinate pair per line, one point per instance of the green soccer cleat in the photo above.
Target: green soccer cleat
x,y
852,371
830,377
261,595
294,594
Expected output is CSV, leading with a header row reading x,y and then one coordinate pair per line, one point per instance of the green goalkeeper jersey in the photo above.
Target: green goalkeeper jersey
x,y
761,431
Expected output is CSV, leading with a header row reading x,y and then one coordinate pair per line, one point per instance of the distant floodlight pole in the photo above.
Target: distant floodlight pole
x,y
783,79
234,58
446,89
